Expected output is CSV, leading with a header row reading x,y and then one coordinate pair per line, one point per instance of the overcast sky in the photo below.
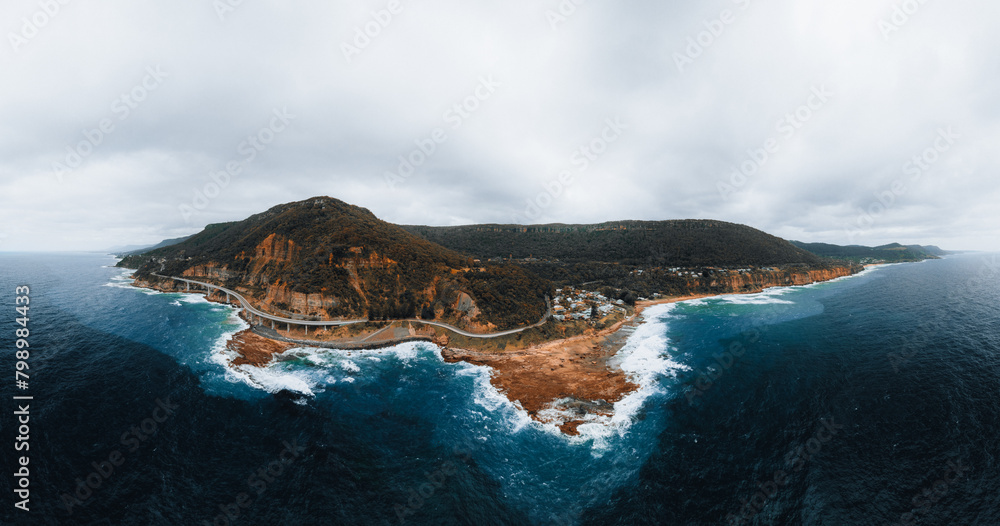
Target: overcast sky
x,y
859,121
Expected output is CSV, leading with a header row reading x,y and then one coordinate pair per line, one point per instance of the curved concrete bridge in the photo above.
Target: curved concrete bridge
x,y
261,316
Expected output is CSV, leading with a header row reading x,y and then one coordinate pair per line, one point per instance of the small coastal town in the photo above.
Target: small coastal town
x,y
578,304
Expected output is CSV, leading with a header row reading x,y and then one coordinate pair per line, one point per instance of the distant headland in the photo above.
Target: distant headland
x,y
541,305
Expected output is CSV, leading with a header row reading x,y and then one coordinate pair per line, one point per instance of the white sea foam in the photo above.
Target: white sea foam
x,y
259,378
329,366
864,272
270,379
645,360
128,285
768,297
193,298
123,275
560,411
408,352
771,295
315,359
348,359
513,417
123,281
273,378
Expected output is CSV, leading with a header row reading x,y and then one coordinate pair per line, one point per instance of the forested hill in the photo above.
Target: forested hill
x,y
680,243
325,258
893,252
161,244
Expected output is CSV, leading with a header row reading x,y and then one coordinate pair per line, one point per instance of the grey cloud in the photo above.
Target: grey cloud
x,y
687,130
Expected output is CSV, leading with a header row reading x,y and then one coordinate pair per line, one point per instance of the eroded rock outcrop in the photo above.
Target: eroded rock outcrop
x,y
757,280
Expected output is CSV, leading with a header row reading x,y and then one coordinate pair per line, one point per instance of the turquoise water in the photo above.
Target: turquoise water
x,y
904,357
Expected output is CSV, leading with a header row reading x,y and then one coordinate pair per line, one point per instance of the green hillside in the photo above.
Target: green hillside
x,y
369,267
681,243
891,253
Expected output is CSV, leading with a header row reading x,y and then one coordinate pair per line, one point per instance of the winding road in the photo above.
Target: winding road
x,y
337,323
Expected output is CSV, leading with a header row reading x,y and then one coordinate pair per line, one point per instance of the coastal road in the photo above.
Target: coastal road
x,y
246,305
456,330
337,323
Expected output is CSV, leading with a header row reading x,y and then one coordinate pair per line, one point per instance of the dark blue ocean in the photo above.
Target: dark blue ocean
x,y
873,399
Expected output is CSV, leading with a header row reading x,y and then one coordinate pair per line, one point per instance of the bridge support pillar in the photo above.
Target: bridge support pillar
x,y
272,325
307,330
187,286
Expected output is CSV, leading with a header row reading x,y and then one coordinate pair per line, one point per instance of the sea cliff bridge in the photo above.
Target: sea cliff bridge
x,y
260,316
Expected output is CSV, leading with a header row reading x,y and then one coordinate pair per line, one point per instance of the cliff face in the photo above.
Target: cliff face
x,y
367,277
758,280
276,248
324,259
280,298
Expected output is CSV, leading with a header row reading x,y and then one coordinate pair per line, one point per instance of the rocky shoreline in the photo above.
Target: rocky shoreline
x,y
576,373
576,369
